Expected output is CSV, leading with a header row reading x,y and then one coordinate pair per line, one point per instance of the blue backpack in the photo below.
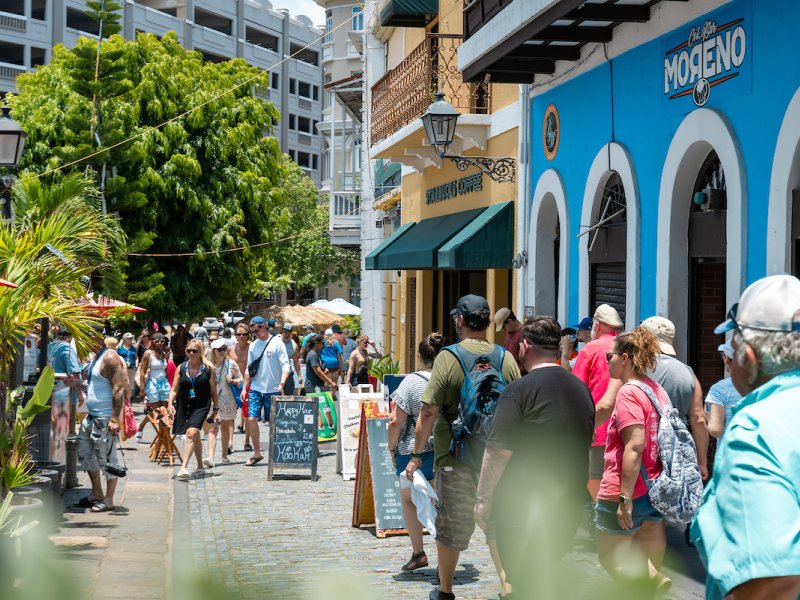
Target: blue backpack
x,y
483,384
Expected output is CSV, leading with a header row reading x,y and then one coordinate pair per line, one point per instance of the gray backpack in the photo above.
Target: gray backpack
x,y
678,491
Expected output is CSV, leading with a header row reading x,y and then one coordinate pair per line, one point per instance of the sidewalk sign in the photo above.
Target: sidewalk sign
x,y
350,424
377,491
293,434
390,384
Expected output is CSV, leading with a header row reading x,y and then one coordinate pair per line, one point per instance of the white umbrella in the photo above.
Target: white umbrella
x,y
340,306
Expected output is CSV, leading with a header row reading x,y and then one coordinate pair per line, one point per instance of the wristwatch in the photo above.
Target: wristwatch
x,y
624,499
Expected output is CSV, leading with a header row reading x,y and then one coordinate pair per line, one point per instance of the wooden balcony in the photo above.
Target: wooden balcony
x,y
405,92
479,12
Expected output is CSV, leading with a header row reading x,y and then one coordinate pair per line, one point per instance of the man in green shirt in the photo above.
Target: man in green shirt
x,y
455,483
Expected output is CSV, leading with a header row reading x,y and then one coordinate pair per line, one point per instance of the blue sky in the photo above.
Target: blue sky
x,y
302,7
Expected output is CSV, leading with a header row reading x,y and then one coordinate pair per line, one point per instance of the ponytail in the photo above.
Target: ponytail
x,y
642,348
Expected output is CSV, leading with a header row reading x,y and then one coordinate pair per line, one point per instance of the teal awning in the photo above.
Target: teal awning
x,y
371,260
409,13
418,247
485,243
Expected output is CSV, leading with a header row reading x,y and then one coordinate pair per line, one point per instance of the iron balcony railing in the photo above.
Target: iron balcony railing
x,y
405,92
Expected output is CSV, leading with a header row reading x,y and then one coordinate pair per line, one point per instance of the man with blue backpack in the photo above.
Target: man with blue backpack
x,y
458,405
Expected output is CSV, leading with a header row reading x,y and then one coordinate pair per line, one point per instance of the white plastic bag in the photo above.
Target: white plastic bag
x,y
423,496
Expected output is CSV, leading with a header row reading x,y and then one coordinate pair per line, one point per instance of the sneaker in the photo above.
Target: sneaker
x,y
208,463
199,472
240,428
248,448
138,436
436,594
230,449
183,474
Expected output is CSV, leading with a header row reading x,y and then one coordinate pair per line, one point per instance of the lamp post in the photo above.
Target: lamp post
x,y
12,143
440,128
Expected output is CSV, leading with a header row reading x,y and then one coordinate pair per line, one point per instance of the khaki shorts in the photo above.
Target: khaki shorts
x,y
455,511
96,447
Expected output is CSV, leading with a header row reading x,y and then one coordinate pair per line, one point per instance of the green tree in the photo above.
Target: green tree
x,y
206,182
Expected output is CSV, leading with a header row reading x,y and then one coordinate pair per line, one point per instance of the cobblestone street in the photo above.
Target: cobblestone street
x,y
293,537
234,534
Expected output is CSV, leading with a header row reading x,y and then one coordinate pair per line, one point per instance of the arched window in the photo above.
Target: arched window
x,y
711,184
608,248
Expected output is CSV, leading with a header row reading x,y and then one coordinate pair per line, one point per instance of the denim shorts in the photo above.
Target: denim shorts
x,y
157,390
605,518
256,400
426,468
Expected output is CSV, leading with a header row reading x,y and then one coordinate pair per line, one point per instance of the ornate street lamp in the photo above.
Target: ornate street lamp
x,y
12,140
440,128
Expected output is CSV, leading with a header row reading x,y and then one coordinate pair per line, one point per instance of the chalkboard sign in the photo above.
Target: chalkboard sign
x,y
293,434
385,485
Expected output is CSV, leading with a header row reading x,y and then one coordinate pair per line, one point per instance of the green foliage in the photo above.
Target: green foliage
x,y
39,401
378,367
206,182
106,13
353,323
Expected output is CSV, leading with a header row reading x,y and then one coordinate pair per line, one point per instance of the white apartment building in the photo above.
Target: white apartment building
x,y
219,29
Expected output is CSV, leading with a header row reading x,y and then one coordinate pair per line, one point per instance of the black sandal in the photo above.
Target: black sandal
x,y
417,561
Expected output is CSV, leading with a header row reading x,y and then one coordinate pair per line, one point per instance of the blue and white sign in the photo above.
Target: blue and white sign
x,y
708,61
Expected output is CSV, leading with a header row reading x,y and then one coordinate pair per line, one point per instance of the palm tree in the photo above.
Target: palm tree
x,y
59,237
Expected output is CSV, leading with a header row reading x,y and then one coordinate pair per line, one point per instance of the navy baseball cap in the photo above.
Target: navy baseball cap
x,y
470,305
272,322
336,328
257,320
586,323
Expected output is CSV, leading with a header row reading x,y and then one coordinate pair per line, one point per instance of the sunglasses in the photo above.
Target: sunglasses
x,y
221,349
192,351
159,341
242,334
610,354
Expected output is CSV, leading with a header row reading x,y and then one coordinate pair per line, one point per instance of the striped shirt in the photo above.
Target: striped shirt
x,y
408,397
725,394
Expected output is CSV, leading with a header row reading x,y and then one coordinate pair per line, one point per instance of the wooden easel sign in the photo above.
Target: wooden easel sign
x,y
293,434
377,490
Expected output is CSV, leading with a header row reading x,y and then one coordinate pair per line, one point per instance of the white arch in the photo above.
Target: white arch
x,y
550,185
785,178
612,157
699,133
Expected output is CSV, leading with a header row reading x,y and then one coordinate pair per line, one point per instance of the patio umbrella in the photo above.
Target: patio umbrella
x,y
104,304
299,316
342,307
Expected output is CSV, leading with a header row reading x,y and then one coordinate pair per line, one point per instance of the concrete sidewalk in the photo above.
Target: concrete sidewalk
x,y
127,552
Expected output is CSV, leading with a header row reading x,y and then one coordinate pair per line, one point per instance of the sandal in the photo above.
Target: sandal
x,y
253,461
100,507
417,562
85,502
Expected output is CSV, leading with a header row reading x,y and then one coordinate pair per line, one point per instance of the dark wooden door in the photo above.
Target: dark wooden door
x,y
608,286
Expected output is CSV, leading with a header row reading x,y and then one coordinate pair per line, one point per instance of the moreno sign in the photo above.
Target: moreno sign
x,y
709,53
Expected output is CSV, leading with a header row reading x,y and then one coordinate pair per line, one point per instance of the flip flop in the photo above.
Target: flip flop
x,y
100,507
84,502
253,461
417,561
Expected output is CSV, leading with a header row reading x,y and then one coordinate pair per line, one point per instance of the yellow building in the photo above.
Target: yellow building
x,y
458,230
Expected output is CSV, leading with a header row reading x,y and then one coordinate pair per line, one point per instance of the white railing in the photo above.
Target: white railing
x,y
13,22
345,210
9,71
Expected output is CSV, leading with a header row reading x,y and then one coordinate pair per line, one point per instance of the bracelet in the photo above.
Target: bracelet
x,y
416,455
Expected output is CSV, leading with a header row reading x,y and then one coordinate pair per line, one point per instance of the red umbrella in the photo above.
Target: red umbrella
x,y
6,283
103,305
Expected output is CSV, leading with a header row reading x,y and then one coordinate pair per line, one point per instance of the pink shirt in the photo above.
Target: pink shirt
x,y
633,408
591,368
511,344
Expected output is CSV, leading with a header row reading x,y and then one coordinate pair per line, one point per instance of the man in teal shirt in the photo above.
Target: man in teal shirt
x,y
748,530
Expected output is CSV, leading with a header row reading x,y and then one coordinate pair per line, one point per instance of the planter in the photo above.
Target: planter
x,y
51,465
30,509
30,491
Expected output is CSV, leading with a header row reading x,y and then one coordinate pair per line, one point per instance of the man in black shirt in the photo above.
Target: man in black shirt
x,y
534,472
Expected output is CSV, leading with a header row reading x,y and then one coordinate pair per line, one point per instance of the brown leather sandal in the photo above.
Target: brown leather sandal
x,y
417,562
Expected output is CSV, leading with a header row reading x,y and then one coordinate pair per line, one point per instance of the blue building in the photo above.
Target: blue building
x,y
664,169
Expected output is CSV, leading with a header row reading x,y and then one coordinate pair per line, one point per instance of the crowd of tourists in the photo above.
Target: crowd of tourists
x,y
521,438
515,438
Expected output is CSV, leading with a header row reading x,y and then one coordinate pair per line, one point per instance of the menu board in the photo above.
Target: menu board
x,y
350,426
293,434
385,485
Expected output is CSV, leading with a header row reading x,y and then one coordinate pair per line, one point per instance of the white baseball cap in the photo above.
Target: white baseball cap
x,y
664,330
769,304
608,315
500,318
219,343
329,332
127,336
726,349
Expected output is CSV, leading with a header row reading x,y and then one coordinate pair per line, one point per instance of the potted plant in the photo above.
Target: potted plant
x,y
378,367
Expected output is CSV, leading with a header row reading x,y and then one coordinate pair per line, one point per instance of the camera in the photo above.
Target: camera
x,y
116,470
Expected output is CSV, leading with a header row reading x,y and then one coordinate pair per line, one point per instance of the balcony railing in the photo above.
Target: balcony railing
x,y
345,210
405,92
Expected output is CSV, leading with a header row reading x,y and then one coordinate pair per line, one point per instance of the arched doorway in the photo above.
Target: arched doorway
x,y
608,236
548,252
548,248
707,251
